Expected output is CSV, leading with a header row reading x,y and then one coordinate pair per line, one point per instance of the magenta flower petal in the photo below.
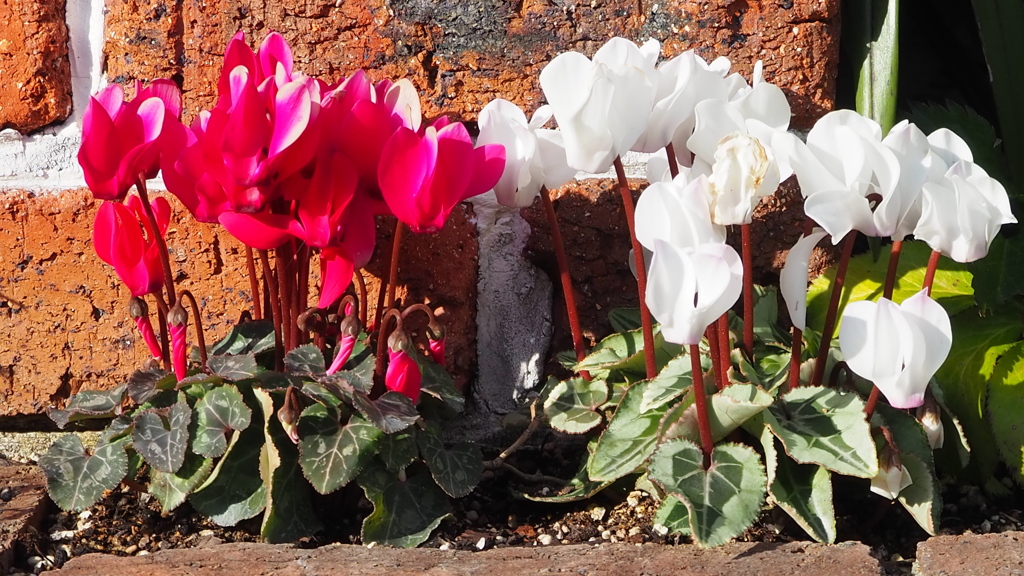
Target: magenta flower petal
x,y
403,375
274,52
263,231
293,100
336,270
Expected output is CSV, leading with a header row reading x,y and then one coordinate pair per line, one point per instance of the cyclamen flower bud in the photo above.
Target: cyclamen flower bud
x,y
139,310
289,413
350,329
403,374
177,321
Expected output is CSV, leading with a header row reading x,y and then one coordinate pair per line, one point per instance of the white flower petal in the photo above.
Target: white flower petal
x,y
839,212
793,278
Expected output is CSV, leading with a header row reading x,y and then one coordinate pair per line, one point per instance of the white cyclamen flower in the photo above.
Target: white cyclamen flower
x,y
601,105
689,288
677,212
794,276
534,156
741,176
962,213
897,347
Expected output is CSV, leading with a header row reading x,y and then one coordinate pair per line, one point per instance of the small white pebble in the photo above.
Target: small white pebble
x,y
481,544
445,546
660,529
634,530
597,513
614,540
606,535
371,544
500,539
143,553
546,539
59,535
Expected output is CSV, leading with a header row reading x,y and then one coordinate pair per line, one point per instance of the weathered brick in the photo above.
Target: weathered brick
x,y
972,555
64,316
461,55
34,65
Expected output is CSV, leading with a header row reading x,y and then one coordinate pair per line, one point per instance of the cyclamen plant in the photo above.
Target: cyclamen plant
x,y
674,404
291,166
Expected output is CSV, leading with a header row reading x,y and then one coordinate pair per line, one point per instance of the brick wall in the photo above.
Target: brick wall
x,y
62,320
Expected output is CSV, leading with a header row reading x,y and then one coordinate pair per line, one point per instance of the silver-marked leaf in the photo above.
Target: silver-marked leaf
x,y
456,470
672,382
727,410
824,426
629,439
392,412
804,491
923,498
438,383
405,513
624,319
624,351
347,381
77,479
144,384
234,368
289,515
163,440
320,394
219,411
171,490
673,515
89,404
724,500
579,487
305,359
332,455
234,490
573,405
398,450
246,338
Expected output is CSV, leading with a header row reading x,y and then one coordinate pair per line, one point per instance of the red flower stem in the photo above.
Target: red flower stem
x,y
382,339
700,400
165,260
641,271
361,290
284,296
833,309
254,285
748,292
890,274
200,338
869,409
929,274
794,359
673,165
396,248
165,342
275,305
724,347
716,362
302,300
563,272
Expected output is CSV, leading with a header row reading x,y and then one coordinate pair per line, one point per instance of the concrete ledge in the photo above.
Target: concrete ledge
x,y
972,555
736,559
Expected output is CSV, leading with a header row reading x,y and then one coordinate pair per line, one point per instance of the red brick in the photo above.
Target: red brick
x,y
736,559
63,312
461,55
34,65
971,555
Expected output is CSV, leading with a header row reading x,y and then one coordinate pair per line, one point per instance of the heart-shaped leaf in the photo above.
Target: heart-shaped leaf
x,y
234,368
306,359
172,489
76,479
332,455
438,383
923,498
162,440
672,382
234,490
629,438
392,412
456,470
804,491
404,513
727,410
398,450
246,338
219,411
144,384
89,404
724,500
673,515
824,426
573,405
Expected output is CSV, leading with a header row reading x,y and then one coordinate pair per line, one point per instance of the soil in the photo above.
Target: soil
x,y
127,522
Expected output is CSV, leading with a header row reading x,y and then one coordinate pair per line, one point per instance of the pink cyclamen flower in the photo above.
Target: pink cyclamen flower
x,y
119,241
423,176
403,374
177,323
138,310
350,330
120,140
437,349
